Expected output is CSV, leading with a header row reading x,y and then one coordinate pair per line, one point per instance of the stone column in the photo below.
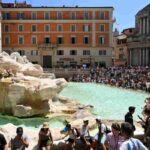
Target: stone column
x,y
144,21
140,57
143,56
130,56
147,56
140,26
148,25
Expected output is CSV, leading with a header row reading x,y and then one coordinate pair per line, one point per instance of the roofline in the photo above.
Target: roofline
x,y
128,29
76,6
60,7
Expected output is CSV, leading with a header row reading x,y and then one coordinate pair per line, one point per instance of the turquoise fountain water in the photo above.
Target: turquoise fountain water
x,y
109,103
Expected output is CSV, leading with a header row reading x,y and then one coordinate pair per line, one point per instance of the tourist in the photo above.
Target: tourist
x,y
73,134
129,116
126,77
21,141
147,126
3,143
45,137
114,138
101,135
130,143
84,132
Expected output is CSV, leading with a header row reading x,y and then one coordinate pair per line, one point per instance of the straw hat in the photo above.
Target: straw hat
x,y
45,125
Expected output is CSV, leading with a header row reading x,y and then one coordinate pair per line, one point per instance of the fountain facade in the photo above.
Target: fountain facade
x,y
24,89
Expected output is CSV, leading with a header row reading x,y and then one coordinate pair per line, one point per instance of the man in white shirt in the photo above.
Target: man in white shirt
x,y
100,137
130,143
84,131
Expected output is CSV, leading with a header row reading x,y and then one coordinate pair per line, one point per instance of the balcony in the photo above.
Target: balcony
x,y
47,45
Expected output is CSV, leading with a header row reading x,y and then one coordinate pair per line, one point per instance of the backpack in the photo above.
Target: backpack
x,y
107,130
76,132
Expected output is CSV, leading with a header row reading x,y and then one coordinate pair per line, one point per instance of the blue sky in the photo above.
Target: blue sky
x,y
124,10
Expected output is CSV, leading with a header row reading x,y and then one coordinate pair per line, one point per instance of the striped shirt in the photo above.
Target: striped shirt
x,y
132,144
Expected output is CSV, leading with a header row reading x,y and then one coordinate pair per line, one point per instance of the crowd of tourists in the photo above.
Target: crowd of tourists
x,y
120,137
126,77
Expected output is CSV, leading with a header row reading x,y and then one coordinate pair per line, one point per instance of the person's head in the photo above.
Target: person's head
x,y
115,127
126,129
131,109
98,120
67,128
85,122
146,111
19,131
45,127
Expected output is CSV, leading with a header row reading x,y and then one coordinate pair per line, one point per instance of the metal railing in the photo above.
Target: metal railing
x,y
63,72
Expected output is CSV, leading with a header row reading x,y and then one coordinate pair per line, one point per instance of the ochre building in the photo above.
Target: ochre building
x,y
58,36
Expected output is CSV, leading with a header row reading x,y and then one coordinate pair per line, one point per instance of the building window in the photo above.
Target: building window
x,y
20,15
72,27
46,16
47,40
34,40
101,40
59,27
86,40
101,27
101,15
59,15
33,15
73,52
33,28
102,64
21,52
121,56
73,40
102,52
6,15
6,28
73,15
20,27
20,40
86,15
86,52
7,40
120,49
86,28
34,52
60,52
59,40
47,27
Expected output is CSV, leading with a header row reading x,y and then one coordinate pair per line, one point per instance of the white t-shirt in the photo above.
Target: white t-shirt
x,y
84,131
103,131
132,144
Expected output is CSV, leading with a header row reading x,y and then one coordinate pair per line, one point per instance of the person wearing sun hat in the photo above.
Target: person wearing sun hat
x,y
45,137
